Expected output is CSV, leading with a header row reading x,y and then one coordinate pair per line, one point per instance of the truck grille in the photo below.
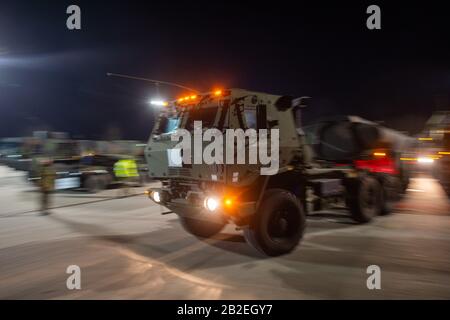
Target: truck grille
x,y
185,172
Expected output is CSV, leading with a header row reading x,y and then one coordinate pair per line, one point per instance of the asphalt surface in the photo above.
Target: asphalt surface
x,y
127,250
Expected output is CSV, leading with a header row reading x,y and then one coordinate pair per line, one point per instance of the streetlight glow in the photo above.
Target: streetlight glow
x,y
159,103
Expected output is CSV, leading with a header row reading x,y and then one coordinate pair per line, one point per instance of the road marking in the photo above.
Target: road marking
x,y
150,263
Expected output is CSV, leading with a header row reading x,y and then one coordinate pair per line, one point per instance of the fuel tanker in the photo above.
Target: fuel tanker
x,y
353,140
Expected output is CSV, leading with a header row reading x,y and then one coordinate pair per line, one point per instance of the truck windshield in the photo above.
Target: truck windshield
x,y
206,115
168,124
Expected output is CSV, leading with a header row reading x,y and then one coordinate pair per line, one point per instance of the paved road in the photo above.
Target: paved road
x,y
126,249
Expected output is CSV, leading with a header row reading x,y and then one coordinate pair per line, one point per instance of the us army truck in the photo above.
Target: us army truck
x,y
330,163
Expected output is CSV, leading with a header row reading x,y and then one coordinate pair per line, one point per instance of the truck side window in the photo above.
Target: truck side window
x,y
256,117
250,118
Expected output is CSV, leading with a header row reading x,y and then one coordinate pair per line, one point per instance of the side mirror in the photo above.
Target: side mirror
x,y
301,102
283,103
286,102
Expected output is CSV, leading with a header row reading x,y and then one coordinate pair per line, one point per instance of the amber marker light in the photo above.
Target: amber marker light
x,y
228,202
379,154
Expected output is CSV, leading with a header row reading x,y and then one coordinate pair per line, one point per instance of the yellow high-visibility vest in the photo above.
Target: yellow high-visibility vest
x,y
126,168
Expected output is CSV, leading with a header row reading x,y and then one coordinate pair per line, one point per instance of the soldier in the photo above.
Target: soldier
x,y
47,184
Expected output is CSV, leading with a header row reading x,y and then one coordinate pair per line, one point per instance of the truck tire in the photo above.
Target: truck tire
x,y
364,198
447,190
94,183
202,228
404,183
391,188
108,178
278,226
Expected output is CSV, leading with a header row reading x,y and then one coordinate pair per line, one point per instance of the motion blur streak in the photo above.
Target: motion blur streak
x,y
49,60
127,249
149,263
428,198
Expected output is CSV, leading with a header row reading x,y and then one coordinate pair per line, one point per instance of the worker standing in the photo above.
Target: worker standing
x,y
47,184
126,171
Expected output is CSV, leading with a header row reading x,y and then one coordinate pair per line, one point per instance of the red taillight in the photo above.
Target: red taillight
x,y
381,165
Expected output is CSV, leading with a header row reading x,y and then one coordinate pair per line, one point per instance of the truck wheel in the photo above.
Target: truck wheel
x,y
202,228
404,186
364,199
404,181
446,188
94,183
390,194
107,178
277,227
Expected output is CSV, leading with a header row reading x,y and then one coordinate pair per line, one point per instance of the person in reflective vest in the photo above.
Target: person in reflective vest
x,y
127,171
126,168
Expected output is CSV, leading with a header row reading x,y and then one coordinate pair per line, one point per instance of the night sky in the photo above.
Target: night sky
x,y
53,78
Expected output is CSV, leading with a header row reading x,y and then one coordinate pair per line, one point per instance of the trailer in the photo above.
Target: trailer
x,y
93,172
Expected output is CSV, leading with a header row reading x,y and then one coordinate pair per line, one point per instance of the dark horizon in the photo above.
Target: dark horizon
x,y
53,78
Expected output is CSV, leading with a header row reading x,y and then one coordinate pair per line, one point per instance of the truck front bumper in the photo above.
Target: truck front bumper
x,y
195,206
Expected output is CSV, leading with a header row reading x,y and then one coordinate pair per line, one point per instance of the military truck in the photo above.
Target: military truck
x,y
86,164
92,173
270,209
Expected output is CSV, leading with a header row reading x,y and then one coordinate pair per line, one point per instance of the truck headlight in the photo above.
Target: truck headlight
x,y
211,203
425,160
156,196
